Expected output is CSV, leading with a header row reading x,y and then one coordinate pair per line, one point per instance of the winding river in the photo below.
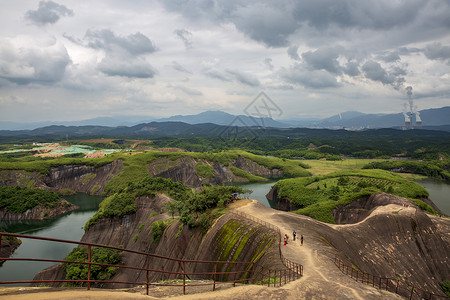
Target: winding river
x,y
67,227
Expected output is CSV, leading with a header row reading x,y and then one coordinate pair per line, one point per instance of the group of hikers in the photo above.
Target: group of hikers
x,y
294,234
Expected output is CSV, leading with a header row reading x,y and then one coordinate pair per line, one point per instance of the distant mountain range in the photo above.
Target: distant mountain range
x,y
435,119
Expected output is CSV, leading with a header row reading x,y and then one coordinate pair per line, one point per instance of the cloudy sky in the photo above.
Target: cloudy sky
x,y
72,60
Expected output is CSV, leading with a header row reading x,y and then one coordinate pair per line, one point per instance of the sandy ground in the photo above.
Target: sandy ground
x,y
321,280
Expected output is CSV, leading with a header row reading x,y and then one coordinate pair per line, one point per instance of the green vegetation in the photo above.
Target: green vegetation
x,y
446,287
18,200
318,196
86,178
434,168
122,202
204,170
98,255
195,209
245,174
158,228
43,165
66,192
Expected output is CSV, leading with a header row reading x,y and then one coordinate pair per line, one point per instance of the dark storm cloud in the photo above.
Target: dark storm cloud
x,y
273,23
244,78
292,51
316,79
28,64
323,59
436,51
135,44
185,36
48,12
138,68
377,15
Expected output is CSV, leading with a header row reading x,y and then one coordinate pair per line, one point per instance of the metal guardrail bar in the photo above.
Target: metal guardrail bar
x,y
249,271
394,285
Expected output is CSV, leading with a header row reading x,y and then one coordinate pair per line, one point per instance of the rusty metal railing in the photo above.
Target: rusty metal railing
x,y
242,272
394,285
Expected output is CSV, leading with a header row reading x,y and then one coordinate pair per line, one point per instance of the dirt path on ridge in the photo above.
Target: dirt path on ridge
x,y
321,280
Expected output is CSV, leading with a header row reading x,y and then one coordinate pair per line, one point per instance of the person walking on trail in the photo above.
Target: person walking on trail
x,y
285,241
301,240
287,238
294,234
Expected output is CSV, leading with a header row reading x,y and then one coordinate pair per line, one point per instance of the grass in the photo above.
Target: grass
x,y
317,196
323,167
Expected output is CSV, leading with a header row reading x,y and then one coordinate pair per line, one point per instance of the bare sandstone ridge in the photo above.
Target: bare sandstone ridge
x,y
230,238
82,178
92,180
184,170
393,241
39,212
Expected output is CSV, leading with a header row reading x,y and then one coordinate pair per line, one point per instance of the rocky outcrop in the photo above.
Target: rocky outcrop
x,y
39,212
255,168
361,208
184,170
394,241
83,178
79,178
283,204
230,238
9,245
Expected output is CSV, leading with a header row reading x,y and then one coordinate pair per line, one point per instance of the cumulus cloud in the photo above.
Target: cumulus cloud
x,y
271,25
48,12
22,62
316,79
185,36
135,44
323,59
124,55
137,68
390,57
436,51
374,71
352,68
292,51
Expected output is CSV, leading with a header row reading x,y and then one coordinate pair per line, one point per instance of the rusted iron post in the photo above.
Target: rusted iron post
x,y
147,275
215,273
262,275
235,273
89,268
396,287
184,278
253,273
412,291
